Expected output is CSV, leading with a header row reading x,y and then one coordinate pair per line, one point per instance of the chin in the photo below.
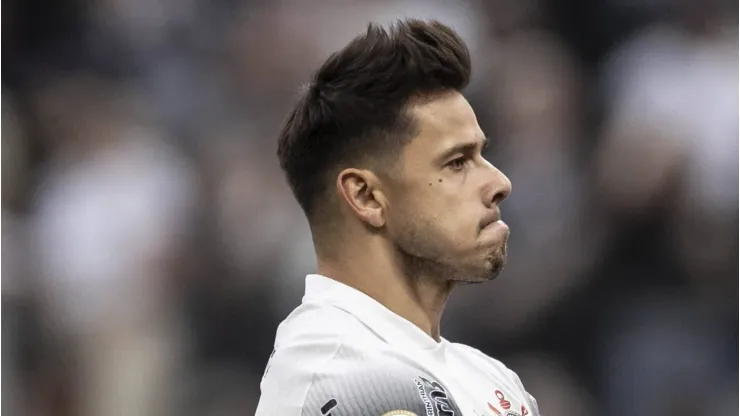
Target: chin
x,y
484,273
494,264
497,266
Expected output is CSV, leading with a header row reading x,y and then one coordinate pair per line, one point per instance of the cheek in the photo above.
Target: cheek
x,y
416,211
450,206
436,203
444,217
446,200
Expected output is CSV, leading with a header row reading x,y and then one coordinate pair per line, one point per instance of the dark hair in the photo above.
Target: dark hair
x,y
354,110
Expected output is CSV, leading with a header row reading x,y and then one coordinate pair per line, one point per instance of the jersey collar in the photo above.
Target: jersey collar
x,y
391,327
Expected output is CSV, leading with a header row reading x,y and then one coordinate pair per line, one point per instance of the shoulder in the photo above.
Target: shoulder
x,y
319,320
307,344
322,373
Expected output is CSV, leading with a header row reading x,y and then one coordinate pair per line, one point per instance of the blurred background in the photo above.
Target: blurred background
x,y
150,245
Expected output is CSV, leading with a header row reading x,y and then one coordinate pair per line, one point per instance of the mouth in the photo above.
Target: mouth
x,y
490,219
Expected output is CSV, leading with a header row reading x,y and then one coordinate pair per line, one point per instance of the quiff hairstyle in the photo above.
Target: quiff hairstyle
x,y
354,111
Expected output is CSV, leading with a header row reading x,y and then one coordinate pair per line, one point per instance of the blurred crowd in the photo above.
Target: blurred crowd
x,y
150,245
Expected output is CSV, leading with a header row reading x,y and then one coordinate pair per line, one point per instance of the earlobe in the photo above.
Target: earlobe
x,y
358,189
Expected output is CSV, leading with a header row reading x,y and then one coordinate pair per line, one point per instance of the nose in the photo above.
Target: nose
x,y
498,187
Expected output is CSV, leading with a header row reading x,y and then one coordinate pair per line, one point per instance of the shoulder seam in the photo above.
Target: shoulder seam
x,y
340,344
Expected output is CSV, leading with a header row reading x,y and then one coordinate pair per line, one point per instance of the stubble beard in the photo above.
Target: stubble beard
x,y
421,260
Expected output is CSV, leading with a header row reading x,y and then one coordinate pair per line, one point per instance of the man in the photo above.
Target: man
x,y
383,154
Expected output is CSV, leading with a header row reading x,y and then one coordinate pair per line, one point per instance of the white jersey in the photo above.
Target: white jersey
x,y
341,353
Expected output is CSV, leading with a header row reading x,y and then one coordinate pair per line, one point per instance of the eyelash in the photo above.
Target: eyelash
x,y
458,164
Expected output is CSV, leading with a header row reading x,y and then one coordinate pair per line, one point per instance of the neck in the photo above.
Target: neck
x,y
417,298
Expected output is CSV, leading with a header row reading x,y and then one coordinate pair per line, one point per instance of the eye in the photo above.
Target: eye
x,y
458,164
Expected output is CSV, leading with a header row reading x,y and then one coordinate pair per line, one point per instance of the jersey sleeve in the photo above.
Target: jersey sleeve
x,y
534,405
535,411
379,392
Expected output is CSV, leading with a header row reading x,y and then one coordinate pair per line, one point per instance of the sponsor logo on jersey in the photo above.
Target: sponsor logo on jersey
x,y
428,406
399,413
328,407
434,397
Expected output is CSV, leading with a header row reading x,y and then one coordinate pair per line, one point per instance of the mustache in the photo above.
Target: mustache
x,y
489,219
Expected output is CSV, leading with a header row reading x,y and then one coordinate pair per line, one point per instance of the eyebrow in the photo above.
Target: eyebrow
x,y
463,148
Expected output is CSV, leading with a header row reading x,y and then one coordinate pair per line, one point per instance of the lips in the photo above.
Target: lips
x,y
490,219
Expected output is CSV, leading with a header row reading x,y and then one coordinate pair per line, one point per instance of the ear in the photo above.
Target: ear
x,y
360,189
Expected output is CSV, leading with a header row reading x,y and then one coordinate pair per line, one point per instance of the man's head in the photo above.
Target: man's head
x,y
383,149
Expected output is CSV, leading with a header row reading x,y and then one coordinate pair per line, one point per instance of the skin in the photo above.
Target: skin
x,y
409,236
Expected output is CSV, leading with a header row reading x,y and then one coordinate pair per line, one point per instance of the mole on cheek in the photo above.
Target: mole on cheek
x,y
440,180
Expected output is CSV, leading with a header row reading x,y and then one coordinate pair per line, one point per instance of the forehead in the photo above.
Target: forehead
x,y
443,122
